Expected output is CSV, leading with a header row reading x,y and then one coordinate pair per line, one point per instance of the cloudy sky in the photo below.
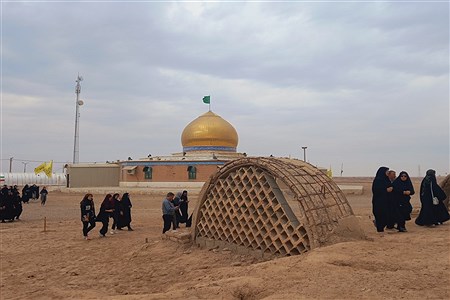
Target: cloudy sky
x,y
362,84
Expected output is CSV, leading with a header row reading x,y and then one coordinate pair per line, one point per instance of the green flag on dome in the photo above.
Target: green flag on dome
x,y
207,99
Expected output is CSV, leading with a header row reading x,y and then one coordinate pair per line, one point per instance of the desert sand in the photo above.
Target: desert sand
x,y
60,264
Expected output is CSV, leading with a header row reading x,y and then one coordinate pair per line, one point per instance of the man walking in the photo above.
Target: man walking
x,y
168,211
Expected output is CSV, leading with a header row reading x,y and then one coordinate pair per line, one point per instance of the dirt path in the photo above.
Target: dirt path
x,y
59,264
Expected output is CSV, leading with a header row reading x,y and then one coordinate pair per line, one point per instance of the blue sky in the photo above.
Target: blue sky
x,y
361,84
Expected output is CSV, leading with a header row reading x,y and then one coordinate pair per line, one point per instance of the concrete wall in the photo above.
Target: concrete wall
x,y
93,175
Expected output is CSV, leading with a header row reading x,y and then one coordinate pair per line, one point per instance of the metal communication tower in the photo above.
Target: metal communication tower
x,y
76,154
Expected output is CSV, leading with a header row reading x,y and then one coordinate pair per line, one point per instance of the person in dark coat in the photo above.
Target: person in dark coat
x,y
177,216
17,202
126,211
106,209
392,207
87,214
431,214
34,192
3,196
9,211
445,186
381,187
5,190
26,194
3,199
403,190
116,214
184,205
43,193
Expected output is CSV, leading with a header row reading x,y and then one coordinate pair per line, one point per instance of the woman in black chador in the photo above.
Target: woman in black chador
x,y
431,214
26,193
126,212
17,201
184,205
177,217
87,214
106,209
403,190
116,214
381,187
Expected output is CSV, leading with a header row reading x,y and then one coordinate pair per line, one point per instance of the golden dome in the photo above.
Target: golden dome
x,y
209,132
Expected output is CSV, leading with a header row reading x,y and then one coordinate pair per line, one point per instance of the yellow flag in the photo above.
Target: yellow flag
x,y
48,169
45,167
40,168
330,173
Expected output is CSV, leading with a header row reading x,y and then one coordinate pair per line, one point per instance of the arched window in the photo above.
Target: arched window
x,y
148,172
192,172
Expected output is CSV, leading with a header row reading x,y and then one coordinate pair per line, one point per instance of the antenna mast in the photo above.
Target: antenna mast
x,y
76,154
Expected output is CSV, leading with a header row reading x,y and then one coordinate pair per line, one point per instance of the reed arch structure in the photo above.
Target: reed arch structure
x,y
271,206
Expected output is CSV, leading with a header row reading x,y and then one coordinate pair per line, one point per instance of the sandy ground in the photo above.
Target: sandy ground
x,y
59,264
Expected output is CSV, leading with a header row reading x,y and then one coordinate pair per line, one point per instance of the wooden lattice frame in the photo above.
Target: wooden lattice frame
x,y
270,205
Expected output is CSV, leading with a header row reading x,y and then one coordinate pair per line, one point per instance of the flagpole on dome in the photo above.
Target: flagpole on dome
x,y
207,100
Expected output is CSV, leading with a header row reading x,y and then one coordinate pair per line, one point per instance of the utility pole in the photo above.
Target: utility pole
x,y
10,164
24,167
304,153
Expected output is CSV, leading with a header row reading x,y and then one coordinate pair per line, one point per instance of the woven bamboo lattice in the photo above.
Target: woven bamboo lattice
x,y
269,205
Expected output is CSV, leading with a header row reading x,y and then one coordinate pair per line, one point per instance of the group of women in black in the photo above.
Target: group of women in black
x,y
33,192
113,207
391,201
11,200
10,204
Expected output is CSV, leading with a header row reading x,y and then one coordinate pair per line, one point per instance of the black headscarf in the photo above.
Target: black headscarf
x,y
381,175
400,185
381,182
184,196
126,196
430,178
126,200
